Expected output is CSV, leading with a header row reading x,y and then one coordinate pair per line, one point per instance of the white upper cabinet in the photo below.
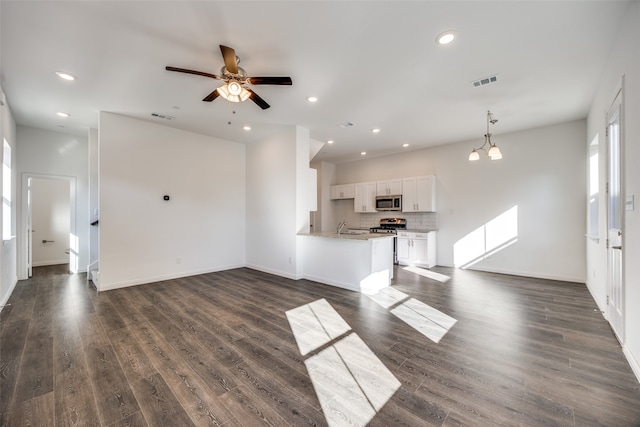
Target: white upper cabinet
x,y
389,188
344,191
365,197
419,194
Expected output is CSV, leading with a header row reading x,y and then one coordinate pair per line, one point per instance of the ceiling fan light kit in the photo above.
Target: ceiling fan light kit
x,y
234,92
492,150
235,78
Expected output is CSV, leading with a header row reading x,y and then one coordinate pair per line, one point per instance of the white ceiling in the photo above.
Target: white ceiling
x,y
372,63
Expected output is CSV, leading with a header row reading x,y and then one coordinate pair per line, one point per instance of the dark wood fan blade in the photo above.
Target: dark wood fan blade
x,y
256,98
270,80
197,73
213,95
230,61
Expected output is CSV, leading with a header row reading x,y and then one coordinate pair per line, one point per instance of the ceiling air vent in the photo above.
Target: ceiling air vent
x,y
485,81
345,125
162,116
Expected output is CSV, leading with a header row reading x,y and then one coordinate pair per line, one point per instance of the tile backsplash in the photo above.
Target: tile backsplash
x,y
415,221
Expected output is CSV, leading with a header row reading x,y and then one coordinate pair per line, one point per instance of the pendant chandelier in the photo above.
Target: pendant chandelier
x,y
489,147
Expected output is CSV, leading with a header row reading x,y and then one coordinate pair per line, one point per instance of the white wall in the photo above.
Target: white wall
x,y
8,255
56,154
325,217
542,174
306,196
271,204
93,196
51,213
624,61
144,238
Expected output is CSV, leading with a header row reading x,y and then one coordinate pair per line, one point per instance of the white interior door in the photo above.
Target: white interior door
x,y
29,230
615,280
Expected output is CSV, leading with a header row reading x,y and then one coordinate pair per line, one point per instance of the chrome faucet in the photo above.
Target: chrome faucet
x,y
341,225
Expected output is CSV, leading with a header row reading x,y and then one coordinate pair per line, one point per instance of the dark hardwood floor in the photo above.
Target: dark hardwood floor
x,y
218,349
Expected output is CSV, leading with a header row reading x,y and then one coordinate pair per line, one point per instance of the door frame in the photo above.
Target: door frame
x,y
25,234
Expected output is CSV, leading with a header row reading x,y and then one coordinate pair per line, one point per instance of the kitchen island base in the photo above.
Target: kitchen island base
x,y
362,264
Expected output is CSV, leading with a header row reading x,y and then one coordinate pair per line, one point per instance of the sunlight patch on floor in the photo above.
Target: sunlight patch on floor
x,y
430,322
428,273
351,383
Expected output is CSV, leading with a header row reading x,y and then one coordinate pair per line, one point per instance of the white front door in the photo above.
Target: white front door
x,y
615,205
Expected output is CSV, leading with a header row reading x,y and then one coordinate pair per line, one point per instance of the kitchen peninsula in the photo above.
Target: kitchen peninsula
x,y
355,260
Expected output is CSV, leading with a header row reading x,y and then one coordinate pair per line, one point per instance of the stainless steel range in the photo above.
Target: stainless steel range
x,y
391,226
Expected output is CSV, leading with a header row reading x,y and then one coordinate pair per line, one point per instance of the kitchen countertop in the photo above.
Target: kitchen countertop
x,y
415,230
346,235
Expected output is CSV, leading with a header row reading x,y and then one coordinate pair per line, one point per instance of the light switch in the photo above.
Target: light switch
x,y
628,204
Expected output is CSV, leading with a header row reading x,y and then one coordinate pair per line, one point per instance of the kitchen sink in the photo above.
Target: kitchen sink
x,y
352,232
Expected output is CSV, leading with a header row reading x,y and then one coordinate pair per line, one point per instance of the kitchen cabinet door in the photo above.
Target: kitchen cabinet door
x,y
419,194
426,193
402,250
365,197
389,188
419,253
342,191
416,249
409,195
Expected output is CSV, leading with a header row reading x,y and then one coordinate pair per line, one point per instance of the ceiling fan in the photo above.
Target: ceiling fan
x,y
235,79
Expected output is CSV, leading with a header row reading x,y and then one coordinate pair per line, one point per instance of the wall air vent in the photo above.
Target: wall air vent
x,y
485,81
162,116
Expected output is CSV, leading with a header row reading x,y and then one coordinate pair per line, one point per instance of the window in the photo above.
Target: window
x,y
6,191
594,190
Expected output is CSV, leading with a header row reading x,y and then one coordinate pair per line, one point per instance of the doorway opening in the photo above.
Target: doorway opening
x,y
49,206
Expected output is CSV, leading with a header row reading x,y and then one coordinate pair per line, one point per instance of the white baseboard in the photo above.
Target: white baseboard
x,y
633,362
533,274
286,274
160,278
51,262
5,298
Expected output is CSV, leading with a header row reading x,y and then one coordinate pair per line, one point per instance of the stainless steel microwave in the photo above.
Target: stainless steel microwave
x,y
389,203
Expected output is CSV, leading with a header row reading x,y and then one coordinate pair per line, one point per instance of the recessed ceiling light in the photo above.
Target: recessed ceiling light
x,y
65,76
312,99
405,145
63,114
247,128
330,141
446,37
363,153
375,130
